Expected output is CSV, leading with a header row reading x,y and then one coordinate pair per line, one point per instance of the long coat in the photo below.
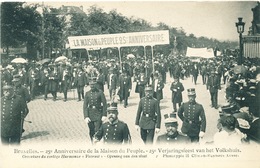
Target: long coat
x,y
116,133
165,139
177,95
148,113
12,110
193,118
95,105
125,83
141,81
53,81
112,82
158,92
213,83
80,79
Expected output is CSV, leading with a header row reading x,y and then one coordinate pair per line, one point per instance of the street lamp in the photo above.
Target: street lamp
x,y
240,29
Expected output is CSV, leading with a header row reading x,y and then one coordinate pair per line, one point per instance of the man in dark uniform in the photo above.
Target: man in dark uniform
x,y
22,91
172,136
141,81
94,108
65,81
148,116
34,76
12,112
80,82
193,117
177,89
114,131
125,86
112,83
213,85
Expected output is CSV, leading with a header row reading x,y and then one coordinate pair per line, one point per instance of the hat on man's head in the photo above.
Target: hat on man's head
x,y
170,118
112,106
175,77
148,88
191,92
92,80
16,78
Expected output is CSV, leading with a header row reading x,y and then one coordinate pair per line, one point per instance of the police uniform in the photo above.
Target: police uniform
x,y
174,137
148,117
12,110
213,85
114,133
94,107
177,138
193,119
23,92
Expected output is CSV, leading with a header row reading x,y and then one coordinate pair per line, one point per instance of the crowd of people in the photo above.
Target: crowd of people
x,y
240,116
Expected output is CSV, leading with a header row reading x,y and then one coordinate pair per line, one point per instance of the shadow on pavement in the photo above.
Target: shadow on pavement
x,y
35,134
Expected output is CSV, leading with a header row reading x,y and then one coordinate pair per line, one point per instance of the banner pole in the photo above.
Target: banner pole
x,y
87,53
120,58
145,62
152,58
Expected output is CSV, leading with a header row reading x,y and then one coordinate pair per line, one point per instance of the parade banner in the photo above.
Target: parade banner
x,y
200,52
119,40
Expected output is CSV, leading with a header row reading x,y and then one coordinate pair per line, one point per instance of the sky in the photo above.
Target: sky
x,y
211,19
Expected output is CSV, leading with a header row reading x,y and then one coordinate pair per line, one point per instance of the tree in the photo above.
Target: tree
x,y
19,25
54,26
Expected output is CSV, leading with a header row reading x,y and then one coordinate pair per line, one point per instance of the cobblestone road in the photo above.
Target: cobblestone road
x,y
62,122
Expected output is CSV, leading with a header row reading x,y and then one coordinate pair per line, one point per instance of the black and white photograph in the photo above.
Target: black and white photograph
x,y
130,84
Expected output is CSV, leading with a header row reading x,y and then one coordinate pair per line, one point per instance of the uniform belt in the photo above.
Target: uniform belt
x,y
146,115
93,106
189,121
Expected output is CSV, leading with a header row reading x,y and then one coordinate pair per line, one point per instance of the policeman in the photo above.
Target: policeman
x,y
22,91
172,136
213,85
193,117
177,89
12,112
94,108
148,116
113,131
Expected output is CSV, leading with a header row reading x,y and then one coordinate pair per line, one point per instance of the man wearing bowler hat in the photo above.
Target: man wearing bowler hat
x,y
193,117
172,136
94,108
148,117
12,112
113,131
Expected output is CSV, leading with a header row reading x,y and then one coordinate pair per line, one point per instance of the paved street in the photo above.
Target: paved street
x,y
62,122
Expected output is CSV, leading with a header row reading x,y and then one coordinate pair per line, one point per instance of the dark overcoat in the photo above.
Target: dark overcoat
x,y
177,95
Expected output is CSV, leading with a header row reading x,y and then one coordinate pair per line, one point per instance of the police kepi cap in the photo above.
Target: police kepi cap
x,y
191,91
148,88
170,118
92,80
112,107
